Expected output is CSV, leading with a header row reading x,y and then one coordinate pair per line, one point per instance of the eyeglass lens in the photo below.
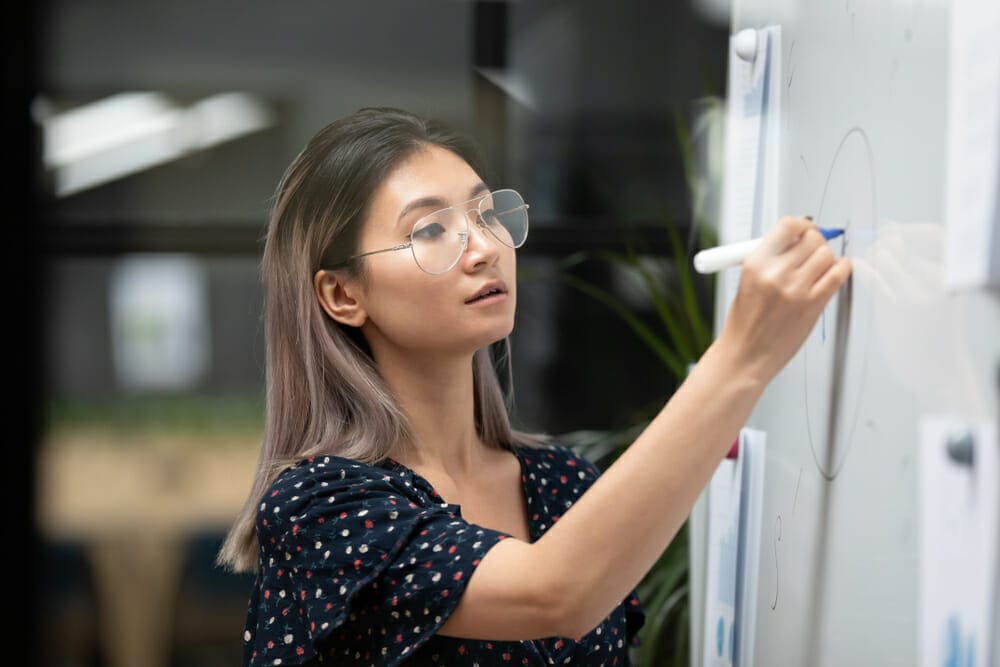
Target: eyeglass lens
x,y
440,238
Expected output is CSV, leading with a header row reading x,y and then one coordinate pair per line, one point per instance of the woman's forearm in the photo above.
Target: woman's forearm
x,y
617,530
603,546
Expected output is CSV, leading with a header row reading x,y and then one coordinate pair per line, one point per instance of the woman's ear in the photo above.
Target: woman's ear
x,y
339,298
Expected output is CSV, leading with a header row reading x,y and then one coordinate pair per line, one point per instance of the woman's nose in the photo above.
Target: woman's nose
x,y
480,241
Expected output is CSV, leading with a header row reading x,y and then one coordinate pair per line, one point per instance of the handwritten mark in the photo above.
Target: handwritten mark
x,y
795,500
791,73
777,538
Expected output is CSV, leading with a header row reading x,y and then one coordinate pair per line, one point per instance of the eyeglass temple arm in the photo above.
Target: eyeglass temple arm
x,y
522,207
401,246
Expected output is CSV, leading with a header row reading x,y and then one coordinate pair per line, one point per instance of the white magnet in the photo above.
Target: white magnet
x,y
745,44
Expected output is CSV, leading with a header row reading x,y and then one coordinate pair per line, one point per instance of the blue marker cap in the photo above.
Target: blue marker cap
x,y
830,233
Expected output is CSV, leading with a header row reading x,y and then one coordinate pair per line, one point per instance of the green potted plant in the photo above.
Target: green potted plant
x,y
678,334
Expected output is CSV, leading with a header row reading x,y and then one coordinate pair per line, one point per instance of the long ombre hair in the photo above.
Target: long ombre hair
x,y
324,395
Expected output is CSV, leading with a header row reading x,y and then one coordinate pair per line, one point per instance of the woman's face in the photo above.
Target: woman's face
x,y
409,310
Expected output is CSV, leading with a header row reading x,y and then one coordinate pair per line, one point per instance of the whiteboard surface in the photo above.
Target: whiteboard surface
x,y
862,145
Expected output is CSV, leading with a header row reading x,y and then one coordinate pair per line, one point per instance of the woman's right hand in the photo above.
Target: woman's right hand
x,y
784,285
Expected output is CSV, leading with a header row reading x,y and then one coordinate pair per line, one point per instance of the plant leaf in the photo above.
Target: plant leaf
x,y
676,365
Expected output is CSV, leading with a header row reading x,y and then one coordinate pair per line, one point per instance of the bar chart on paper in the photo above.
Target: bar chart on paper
x,y
720,593
734,502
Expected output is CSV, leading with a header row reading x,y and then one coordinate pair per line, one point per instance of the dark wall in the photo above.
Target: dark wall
x,y
574,103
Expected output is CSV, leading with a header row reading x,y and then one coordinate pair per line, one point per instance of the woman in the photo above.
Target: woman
x,y
395,516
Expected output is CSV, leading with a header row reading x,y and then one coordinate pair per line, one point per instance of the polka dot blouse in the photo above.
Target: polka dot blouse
x,y
362,565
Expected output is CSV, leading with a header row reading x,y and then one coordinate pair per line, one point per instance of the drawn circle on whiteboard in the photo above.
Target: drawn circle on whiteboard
x,y
835,353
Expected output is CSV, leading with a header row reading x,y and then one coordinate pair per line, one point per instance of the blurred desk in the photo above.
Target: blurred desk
x,y
134,505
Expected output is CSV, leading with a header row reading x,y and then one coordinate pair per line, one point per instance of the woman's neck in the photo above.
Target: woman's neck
x,y
438,398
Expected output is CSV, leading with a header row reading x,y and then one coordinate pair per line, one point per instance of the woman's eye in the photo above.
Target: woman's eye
x,y
428,232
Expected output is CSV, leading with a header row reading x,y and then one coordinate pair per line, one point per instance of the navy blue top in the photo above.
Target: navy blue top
x,y
362,565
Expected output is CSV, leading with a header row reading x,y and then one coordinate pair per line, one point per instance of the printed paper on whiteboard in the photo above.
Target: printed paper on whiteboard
x,y
958,545
720,570
972,192
734,499
753,120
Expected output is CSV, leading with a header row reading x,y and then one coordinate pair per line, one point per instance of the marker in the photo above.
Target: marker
x,y
734,449
724,256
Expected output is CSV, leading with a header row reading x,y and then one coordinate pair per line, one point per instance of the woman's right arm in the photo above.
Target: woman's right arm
x,y
570,579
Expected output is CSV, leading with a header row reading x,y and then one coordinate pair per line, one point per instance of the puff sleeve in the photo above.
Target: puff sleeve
x,y
356,566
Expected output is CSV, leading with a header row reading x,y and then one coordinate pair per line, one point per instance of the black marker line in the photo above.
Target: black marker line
x,y
795,500
777,538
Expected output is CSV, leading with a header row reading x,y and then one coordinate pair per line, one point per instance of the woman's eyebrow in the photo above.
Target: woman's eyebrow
x,y
438,202
423,202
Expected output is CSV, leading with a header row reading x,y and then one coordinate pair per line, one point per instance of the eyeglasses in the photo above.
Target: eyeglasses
x,y
438,239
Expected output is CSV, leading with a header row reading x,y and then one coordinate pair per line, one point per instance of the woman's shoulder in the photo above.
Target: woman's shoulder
x,y
553,457
327,469
334,479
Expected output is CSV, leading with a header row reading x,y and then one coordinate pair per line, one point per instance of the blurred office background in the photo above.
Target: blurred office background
x,y
154,134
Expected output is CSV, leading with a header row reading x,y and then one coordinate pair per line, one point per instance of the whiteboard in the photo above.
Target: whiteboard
x,y
863,93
